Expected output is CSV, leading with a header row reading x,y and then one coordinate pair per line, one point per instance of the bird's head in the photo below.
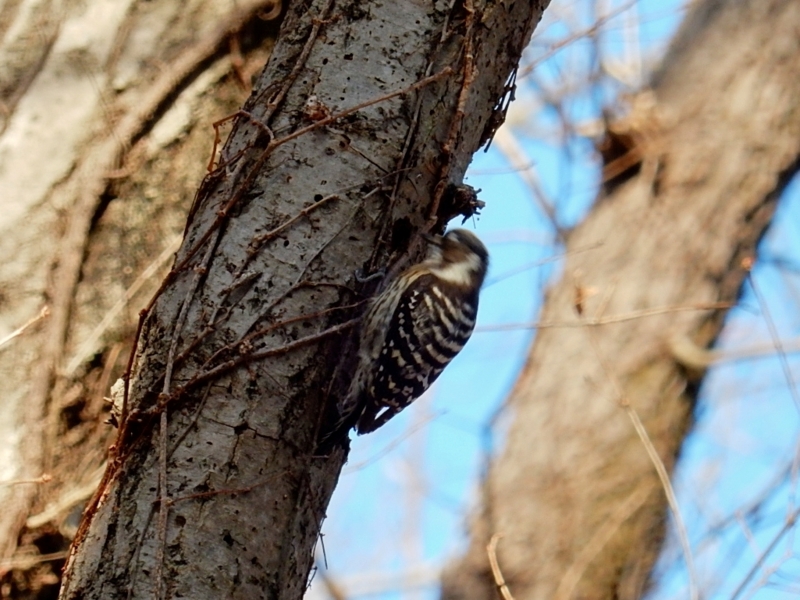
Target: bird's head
x,y
458,257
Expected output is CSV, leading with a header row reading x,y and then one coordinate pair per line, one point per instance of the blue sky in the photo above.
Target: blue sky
x,y
404,498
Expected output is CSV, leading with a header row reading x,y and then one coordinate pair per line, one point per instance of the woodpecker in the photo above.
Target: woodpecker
x,y
413,329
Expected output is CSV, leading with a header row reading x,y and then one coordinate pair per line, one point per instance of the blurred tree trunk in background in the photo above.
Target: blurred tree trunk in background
x,y
104,135
104,138
574,497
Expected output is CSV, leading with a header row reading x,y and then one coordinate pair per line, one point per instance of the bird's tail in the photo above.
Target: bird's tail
x,y
349,412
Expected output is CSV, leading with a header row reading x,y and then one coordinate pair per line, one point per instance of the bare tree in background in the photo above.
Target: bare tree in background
x,y
345,150
574,507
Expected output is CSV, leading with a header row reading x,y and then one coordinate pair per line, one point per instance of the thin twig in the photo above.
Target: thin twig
x,y
332,586
579,35
67,499
788,524
89,345
224,491
43,314
538,263
212,374
594,321
499,581
46,478
259,240
455,125
26,562
242,277
391,445
215,320
366,104
688,353
163,496
747,264
773,332
163,502
256,243
250,338
299,63
600,538
505,140
237,194
661,469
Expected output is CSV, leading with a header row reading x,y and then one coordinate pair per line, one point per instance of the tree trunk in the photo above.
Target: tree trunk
x,y
574,495
343,153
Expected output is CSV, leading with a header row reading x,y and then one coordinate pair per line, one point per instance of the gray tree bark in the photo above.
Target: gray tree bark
x,y
363,116
574,494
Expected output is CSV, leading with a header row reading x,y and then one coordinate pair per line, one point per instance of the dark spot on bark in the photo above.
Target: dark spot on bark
x,y
71,414
240,429
318,197
401,234
180,520
299,380
49,542
616,146
285,243
226,537
348,56
330,151
324,61
325,181
355,12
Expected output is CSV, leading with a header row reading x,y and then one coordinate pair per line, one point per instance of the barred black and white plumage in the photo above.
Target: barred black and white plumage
x,y
413,329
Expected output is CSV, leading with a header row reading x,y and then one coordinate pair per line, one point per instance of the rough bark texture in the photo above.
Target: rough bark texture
x,y
574,494
297,203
